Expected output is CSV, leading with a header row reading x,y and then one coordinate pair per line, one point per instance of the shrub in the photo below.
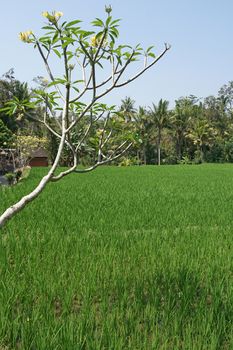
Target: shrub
x,y
10,178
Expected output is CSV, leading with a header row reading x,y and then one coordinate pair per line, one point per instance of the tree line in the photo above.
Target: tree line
x,y
195,130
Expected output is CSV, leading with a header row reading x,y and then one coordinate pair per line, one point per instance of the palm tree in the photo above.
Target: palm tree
x,y
14,96
128,109
159,116
202,134
180,119
142,123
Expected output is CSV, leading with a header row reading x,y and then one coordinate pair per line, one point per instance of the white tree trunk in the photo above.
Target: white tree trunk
x,y
11,211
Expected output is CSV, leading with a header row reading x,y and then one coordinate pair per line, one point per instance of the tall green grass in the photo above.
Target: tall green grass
x,y
121,258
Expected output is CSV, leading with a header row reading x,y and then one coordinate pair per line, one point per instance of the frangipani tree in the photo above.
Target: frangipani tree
x,y
82,54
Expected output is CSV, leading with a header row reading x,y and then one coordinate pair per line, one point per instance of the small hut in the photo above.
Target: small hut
x,y
39,158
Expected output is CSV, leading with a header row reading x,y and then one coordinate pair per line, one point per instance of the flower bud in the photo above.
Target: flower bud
x,y
58,15
45,82
45,14
95,42
26,37
108,9
52,17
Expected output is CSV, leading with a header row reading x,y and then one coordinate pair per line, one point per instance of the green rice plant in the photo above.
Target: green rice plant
x,y
144,261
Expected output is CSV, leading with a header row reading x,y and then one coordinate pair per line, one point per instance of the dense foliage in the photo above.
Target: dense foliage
x,y
195,130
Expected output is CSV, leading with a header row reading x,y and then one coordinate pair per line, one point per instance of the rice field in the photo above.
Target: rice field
x,y
120,258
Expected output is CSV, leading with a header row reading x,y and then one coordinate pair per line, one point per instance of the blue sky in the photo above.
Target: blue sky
x,y
200,32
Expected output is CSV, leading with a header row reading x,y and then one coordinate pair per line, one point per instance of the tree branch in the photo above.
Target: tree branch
x,y
48,69
167,47
108,160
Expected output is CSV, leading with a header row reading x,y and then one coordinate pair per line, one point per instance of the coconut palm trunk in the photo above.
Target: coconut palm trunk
x,y
159,119
159,148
